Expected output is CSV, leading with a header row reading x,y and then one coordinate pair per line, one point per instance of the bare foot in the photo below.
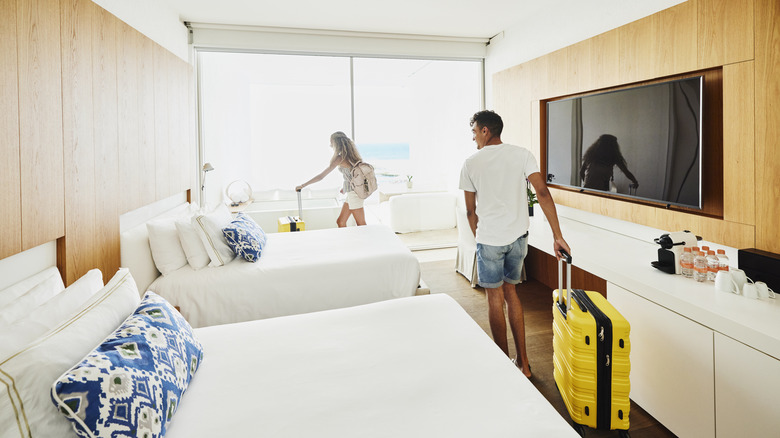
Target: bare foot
x,y
525,368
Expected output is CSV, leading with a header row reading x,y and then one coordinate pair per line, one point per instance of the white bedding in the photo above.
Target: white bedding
x,y
416,367
297,273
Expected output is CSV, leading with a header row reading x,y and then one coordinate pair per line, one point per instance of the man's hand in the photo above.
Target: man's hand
x,y
559,244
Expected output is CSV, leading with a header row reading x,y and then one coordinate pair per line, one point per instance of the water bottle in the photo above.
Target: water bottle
x,y
686,262
700,267
723,260
713,265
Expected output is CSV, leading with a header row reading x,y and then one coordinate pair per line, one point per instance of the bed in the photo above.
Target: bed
x,y
412,367
297,273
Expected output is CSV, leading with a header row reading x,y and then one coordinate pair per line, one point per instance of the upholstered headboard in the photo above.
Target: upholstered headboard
x,y
136,255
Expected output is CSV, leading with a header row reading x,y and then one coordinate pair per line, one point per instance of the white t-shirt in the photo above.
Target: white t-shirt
x,y
497,174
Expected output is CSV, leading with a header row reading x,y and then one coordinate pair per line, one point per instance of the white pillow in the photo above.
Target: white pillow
x,y
196,253
209,228
50,314
29,374
166,247
20,288
36,296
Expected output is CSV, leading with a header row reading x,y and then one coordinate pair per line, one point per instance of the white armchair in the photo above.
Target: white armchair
x,y
466,259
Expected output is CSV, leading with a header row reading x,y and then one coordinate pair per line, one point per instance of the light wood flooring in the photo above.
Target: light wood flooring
x,y
438,272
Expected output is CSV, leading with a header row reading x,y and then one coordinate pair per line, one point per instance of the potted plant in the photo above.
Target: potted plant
x,y
531,198
409,181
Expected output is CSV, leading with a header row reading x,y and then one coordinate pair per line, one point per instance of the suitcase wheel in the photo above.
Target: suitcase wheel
x,y
580,429
624,434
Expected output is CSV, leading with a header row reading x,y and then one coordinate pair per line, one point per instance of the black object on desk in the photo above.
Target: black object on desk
x,y
760,266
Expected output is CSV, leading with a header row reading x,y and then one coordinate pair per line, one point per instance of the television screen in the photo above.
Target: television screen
x,y
642,143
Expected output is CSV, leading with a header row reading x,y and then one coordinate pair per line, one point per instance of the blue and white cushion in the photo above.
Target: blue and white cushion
x,y
245,237
132,383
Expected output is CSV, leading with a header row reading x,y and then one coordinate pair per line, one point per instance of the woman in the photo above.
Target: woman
x,y
598,162
345,155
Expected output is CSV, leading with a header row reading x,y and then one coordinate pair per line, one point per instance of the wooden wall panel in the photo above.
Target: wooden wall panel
x,y
578,62
677,39
604,65
130,170
161,125
174,121
106,134
40,121
767,66
192,131
511,102
558,73
10,177
725,30
80,100
182,161
81,244
739,182
638,50
146,118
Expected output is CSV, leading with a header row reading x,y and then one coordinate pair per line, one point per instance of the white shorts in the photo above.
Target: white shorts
x,y
354,201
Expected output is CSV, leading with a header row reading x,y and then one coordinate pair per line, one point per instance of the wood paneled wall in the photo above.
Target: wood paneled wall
x,y
740,37
86,111
10,177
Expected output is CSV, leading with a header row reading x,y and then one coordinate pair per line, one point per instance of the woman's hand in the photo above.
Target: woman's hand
x,y
298,188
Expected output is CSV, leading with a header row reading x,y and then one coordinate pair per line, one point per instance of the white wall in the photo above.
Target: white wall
x,y
155,20
564,25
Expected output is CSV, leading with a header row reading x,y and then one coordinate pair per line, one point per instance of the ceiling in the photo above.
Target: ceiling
x,y
451,18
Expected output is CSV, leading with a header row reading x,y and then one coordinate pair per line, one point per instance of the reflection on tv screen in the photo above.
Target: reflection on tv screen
x,y
642,142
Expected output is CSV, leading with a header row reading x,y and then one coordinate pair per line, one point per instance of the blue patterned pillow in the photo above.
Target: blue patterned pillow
x,y
132,383
245,237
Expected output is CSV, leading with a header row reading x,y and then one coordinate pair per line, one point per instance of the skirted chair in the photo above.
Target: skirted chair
x,y
466,259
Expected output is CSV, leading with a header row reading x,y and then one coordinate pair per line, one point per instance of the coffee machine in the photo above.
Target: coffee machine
x,y
671,249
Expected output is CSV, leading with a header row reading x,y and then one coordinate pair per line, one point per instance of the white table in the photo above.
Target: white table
x,y
390,190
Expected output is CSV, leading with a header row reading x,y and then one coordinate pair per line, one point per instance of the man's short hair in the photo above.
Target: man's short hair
x,y
489,120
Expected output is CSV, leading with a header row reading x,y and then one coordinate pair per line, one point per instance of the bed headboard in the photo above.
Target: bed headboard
x,y
135,253
27,263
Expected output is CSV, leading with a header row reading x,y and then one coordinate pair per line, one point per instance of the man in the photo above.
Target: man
x,y
493,181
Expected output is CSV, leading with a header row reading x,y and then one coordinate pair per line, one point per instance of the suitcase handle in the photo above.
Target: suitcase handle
x,y
300,205
566,256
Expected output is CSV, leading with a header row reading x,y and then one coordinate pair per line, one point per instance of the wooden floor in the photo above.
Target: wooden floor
x,y
441,277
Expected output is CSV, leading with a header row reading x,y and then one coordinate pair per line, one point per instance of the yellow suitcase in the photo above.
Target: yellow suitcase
x,y
591,357
292,223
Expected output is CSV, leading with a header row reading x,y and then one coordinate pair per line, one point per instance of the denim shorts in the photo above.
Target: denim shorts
x,y
499,264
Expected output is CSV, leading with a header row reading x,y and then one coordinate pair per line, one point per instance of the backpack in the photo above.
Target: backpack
x,y
363,181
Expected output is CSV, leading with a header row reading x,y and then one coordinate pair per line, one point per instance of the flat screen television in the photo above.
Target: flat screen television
x,y
642,143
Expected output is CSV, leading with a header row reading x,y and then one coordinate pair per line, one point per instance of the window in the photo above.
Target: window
x,y
267,118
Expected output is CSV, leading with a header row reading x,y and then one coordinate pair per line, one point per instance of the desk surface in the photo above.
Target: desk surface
x,y
385,192
612,253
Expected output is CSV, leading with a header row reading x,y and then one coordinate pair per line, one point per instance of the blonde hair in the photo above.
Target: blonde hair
x,y
345,147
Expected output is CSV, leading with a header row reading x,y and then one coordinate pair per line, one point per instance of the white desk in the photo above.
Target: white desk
x,y
688,340
390,190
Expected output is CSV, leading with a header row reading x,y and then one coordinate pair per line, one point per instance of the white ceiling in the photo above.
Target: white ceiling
x,y
453,18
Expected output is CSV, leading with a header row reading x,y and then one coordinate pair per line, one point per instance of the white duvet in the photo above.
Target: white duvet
x,y
297,273
414,367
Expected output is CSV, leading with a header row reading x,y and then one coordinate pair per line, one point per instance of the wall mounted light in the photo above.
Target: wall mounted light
x,y
206,168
